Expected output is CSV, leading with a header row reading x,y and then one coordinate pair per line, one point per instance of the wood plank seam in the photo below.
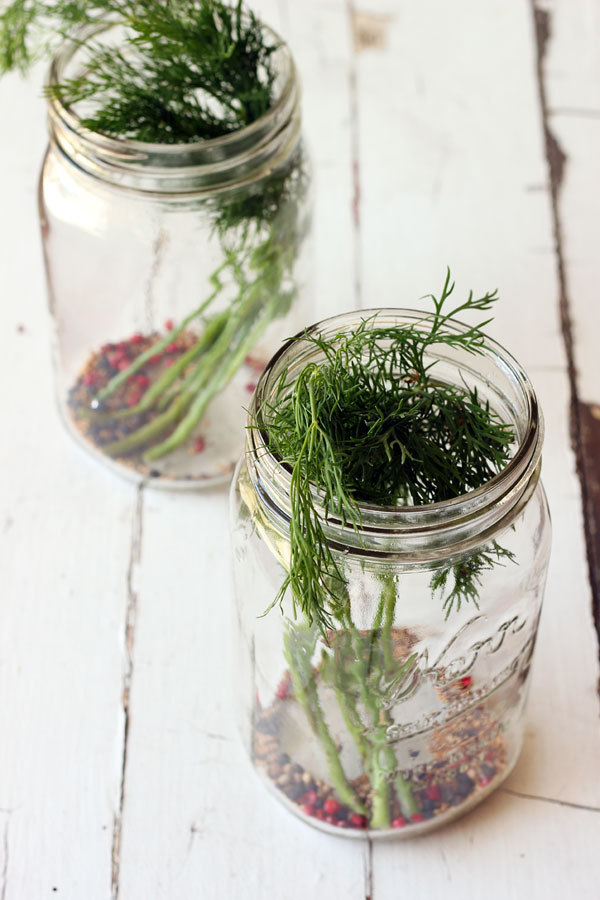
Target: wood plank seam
x,y
554,800
129,631
369,870
556,160
575,112
5,850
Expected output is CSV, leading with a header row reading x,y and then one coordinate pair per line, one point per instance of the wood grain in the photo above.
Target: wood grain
x,y
120,771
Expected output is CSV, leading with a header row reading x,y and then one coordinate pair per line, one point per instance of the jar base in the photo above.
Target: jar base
x,y
412,829
205,459
424,781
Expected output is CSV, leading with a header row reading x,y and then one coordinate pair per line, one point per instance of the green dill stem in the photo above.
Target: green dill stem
x,y
154,394
210,334
405,795
383,762
157,426
389,603
380,813
336,671
305,691
152,430
298,681
353,723
217,366
380,803
233,356
155,349
403,788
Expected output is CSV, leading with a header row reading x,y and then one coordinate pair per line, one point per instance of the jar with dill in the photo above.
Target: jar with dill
x,y
174,204
391,539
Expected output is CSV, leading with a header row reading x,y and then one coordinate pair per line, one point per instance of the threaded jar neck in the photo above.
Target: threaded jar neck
x,y
207,166
430,531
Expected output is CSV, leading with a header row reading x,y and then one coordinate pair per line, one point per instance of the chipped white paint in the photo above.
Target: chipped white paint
x,y
428,149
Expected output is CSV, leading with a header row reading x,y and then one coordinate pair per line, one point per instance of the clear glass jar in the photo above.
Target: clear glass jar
x,y
414,712
193,254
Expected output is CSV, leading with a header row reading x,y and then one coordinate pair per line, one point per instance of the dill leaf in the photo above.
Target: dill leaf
x,y
370,423
186,70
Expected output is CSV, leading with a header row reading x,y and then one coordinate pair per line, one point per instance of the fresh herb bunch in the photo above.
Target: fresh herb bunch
x,y
186,71
371,423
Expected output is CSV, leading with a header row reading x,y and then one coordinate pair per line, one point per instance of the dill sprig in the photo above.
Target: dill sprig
x,y
467,574
370,423
182,71
186,70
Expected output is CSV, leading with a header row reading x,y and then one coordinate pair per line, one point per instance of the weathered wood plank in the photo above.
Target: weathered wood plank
x,y
319,35
206,820
195,815
498,853
570,85
453,171
444,163
66,528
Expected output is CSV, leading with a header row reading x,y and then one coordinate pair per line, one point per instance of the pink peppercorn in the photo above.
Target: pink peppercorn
x,y
133,399
331,806
358,820
114,357
433,792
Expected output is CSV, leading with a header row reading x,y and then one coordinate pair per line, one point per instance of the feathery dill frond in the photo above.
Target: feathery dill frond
x,y
186,70
370,423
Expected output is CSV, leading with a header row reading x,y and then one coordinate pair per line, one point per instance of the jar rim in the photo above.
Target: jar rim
x,y
245,152
491,501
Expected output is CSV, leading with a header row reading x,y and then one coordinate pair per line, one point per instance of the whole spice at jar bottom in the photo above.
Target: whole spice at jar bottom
x,y
467,755
111,422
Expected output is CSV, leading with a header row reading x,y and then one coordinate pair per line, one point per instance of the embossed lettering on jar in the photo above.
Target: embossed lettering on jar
x,y
412,713
174,270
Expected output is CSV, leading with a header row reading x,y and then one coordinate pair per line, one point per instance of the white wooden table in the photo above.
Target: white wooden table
x,y
432,125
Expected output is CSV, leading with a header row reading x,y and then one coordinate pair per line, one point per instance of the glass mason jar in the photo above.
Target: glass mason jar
x,y
173,273
414,711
